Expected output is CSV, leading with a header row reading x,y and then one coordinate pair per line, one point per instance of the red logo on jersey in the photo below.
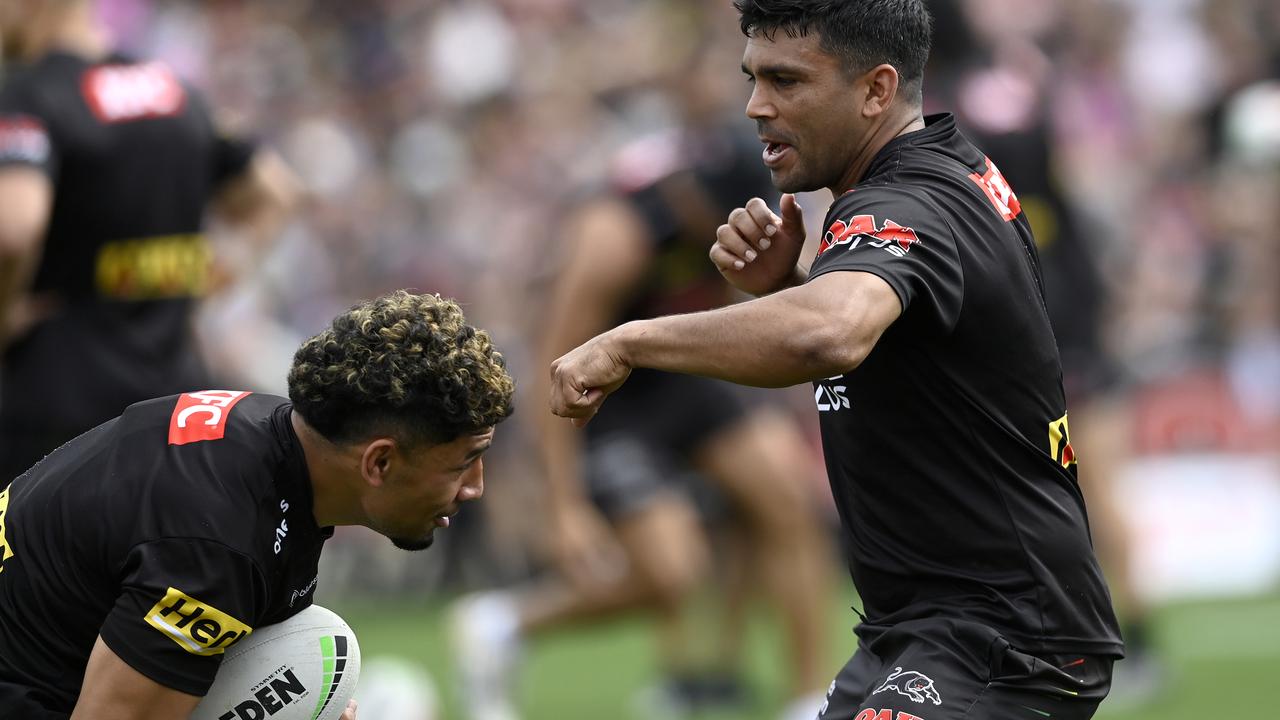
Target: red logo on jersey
x,y
117,93
998,191
202,415
892,237
870,714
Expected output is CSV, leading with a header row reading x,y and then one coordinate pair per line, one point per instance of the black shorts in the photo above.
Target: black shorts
x,y
639,446
945,669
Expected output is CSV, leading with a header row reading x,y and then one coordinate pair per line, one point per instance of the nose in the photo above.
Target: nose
x,y
759,106
472,483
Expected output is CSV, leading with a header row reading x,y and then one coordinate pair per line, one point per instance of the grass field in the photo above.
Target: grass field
x,y
1223,657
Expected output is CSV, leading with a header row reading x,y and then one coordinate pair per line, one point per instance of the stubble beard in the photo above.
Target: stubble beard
x,y
413,545
797,179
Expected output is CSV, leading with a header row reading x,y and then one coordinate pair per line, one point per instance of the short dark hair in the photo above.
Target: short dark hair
x,y
404,365
862,33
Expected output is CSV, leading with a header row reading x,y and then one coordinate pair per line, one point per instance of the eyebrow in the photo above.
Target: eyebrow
x,y
774,70
471,456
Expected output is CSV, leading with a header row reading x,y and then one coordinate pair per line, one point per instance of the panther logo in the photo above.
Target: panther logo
x,y
914,685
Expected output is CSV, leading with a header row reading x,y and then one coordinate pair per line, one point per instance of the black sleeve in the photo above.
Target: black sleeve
x,y
25,135
183,602
890,234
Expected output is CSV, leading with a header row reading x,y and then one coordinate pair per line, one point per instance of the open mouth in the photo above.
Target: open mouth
x,y
775,153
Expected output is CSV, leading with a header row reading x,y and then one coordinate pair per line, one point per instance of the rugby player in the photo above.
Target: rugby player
x,y
923,327
107,165
136,554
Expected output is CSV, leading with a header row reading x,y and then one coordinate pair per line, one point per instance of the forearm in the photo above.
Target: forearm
x,y
10,288
15,278
770,342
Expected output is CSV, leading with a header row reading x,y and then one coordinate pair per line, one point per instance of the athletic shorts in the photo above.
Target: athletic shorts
x,y
945,669
640,444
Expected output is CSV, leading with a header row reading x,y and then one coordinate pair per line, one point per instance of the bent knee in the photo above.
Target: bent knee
x,y
668,584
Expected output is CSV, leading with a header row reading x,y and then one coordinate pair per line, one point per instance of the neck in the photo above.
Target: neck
x,y
71,28
334,502
891,126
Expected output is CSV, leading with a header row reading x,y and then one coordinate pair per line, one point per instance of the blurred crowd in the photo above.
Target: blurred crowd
x,y
441,141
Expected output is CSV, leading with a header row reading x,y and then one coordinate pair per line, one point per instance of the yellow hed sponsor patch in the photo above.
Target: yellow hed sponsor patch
x,y
1060,443
199,628
5,551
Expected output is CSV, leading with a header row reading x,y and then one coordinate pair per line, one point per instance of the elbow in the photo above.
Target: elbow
x,y
830,350
18,244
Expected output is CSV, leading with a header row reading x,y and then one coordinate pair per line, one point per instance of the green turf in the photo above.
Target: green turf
x,y
1224,660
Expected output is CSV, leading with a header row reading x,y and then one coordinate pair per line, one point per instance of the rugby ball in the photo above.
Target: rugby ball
x,y
304,668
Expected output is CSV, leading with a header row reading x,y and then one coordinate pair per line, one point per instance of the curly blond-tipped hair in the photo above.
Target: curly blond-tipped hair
x,y
402,364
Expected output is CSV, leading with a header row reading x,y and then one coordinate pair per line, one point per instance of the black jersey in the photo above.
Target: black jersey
x,y
682,184
948,449
173,531
133,157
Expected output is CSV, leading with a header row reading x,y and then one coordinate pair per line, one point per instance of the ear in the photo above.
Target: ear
x,y
882,88
376,460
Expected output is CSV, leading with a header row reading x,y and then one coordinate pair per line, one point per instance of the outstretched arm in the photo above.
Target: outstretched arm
x,y
823,328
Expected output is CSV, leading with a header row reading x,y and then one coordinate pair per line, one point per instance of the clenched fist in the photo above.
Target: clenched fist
x,y
757,250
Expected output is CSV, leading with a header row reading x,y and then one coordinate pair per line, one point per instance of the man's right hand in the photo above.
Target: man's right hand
x,y
757,250
584,546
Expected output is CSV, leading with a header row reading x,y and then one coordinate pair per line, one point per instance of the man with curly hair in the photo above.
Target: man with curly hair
x,y
133,556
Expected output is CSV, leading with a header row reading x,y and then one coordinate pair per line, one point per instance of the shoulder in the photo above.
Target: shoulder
x,y
208,460
884,195
43,86
208,416
237,433
23,81
887,211
24,116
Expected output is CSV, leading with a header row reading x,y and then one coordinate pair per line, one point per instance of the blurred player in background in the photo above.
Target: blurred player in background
x,y
107,164
922,325
997,80
625,530
132,557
